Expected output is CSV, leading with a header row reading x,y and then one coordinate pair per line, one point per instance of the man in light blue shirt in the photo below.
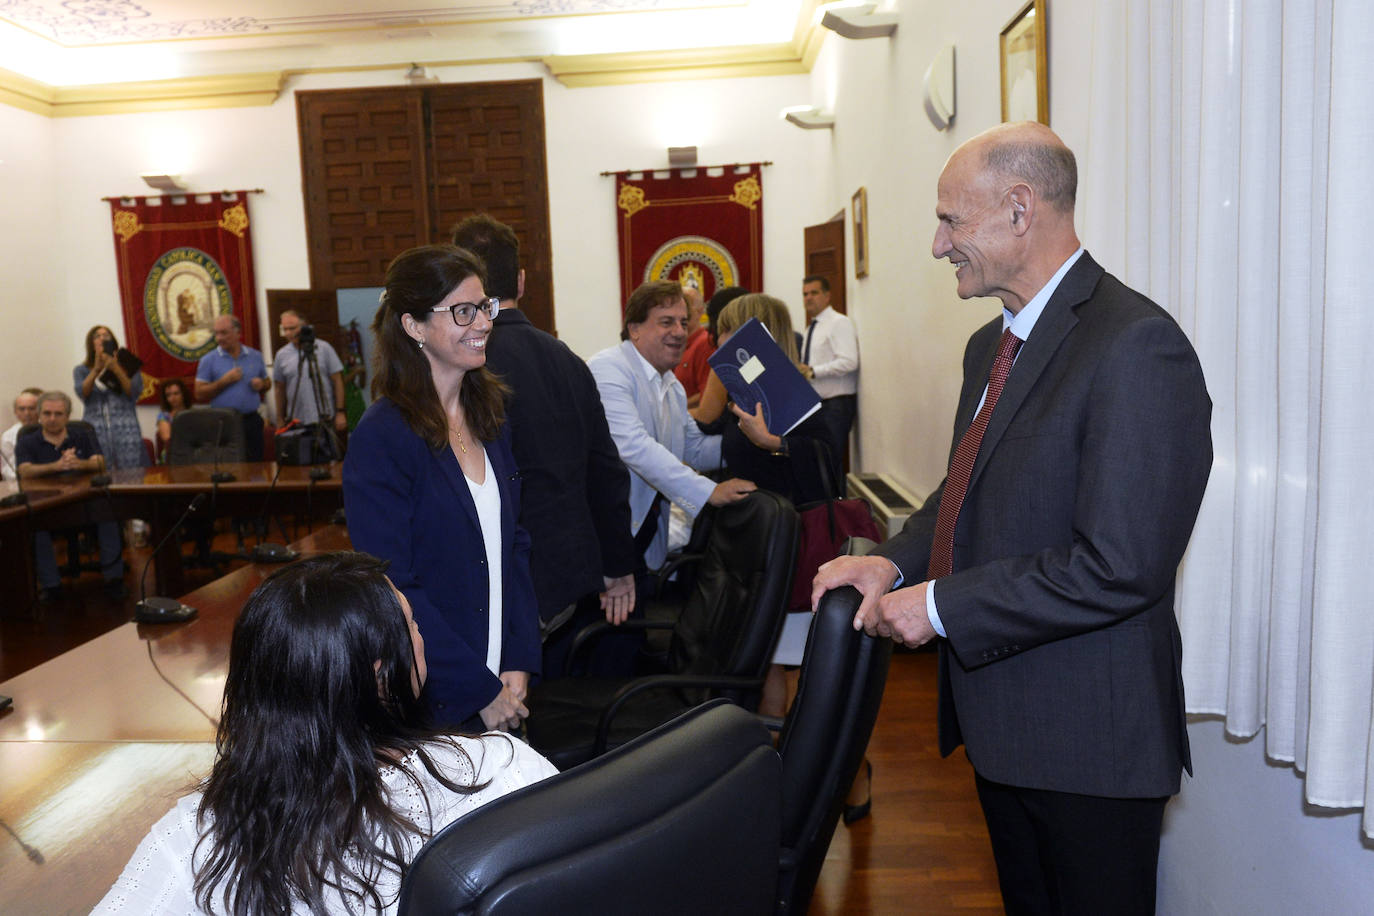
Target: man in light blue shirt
x,y
646,408
301,398
233,375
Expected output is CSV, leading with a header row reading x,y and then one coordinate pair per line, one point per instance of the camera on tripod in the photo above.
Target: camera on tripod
x,y
305,340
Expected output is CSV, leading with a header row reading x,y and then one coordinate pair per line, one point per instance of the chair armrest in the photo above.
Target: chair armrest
x,y
675,562
594,631
661,682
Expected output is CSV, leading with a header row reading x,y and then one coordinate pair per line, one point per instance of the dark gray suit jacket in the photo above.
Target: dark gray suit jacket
x,y
1062,667
576,501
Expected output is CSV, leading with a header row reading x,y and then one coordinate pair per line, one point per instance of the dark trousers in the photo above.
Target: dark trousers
x,y
612,655
837,415
1061,853
252,436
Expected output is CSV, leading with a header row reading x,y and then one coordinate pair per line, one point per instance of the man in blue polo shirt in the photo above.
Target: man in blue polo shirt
x,y
233,375
55,449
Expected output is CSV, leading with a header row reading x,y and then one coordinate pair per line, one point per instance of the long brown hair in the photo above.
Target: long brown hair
x,y
90,342
416,281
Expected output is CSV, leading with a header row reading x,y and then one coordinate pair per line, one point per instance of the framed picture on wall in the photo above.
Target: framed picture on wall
x,y
1025,71
859,204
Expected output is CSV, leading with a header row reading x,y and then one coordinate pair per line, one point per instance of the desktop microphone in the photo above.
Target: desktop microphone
x,y
19,498
220,476
164,610
268,551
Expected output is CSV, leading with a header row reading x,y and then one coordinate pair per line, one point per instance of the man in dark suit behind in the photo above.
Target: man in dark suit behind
x,y
575,502
1051,582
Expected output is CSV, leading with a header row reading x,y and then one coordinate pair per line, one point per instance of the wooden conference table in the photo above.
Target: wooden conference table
x,y
158,495
102,740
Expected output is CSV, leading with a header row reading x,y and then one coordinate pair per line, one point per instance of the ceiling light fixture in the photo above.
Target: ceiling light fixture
x,y
859,21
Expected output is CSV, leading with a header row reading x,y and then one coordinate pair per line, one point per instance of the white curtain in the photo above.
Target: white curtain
x,y
1245,132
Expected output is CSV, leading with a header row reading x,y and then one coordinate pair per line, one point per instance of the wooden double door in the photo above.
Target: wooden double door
x,y
387,169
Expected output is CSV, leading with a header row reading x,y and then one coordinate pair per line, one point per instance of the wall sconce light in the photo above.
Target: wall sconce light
x,y
939,88
859,21
416,75
682,157
166,183
808,117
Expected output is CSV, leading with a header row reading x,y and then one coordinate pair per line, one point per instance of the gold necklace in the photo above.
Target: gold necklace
x,y
459,434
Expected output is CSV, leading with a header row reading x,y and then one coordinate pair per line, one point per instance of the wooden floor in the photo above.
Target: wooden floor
x,y
924,848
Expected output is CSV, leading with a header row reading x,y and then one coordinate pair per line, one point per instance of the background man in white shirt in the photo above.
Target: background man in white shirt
x,y
25,413
830,351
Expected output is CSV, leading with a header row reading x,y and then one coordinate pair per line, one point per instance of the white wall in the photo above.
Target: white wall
x,y
35,320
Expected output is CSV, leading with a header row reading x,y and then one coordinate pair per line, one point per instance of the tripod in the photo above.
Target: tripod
x,y
326,441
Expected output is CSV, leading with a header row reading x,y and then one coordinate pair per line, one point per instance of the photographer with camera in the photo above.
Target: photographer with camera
x,y
110,384
309,381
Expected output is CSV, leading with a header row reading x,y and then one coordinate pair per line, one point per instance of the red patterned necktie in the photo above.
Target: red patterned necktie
x,y
961,467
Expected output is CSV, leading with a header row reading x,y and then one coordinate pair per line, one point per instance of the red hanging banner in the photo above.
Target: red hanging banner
x,y
705,230
181,262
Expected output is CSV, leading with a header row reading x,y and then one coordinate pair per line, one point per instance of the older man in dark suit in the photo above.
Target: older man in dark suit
x,y
1046,559
576,491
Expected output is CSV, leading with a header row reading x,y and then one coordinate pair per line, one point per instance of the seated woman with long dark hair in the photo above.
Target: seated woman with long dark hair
x,y
326,780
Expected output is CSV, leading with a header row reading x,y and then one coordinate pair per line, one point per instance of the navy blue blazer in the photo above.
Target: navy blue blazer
x,y
410,504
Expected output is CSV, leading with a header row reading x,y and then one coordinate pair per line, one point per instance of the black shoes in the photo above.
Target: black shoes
x,y
860,811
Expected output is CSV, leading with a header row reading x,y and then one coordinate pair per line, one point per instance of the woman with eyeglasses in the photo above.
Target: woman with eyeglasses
x,y
327,778
430,485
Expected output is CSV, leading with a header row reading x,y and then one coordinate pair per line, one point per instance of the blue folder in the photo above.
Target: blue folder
x,y
754,370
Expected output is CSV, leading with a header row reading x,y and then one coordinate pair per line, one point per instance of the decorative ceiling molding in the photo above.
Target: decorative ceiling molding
x,y
268,73
238,90
583,70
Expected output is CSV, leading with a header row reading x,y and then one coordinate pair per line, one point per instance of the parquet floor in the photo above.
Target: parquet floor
x,y
924,849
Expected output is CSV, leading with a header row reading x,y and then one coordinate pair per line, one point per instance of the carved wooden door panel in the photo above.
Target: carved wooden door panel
x,y
823,245
388,169
363,162
487,155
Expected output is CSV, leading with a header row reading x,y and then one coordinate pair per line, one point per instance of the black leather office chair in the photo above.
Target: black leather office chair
x,y
204,435
683,820
721,643
825,735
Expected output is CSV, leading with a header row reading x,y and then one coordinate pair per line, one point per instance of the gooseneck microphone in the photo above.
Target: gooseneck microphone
x,y
220,476
164,610
19,498
268,551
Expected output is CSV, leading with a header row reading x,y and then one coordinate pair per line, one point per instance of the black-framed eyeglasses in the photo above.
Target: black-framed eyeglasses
x,y
465,313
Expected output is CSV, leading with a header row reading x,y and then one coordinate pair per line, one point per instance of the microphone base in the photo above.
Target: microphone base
x,y
14,499
272,553
222,477
163,610
319,473
101,480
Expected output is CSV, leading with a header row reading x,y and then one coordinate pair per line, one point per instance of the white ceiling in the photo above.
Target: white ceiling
x,y
89,42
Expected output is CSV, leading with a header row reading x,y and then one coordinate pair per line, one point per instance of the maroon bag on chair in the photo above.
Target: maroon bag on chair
x,y
824,527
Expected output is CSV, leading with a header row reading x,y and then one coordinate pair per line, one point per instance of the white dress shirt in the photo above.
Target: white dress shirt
x,y
658,440
7,440
834,354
